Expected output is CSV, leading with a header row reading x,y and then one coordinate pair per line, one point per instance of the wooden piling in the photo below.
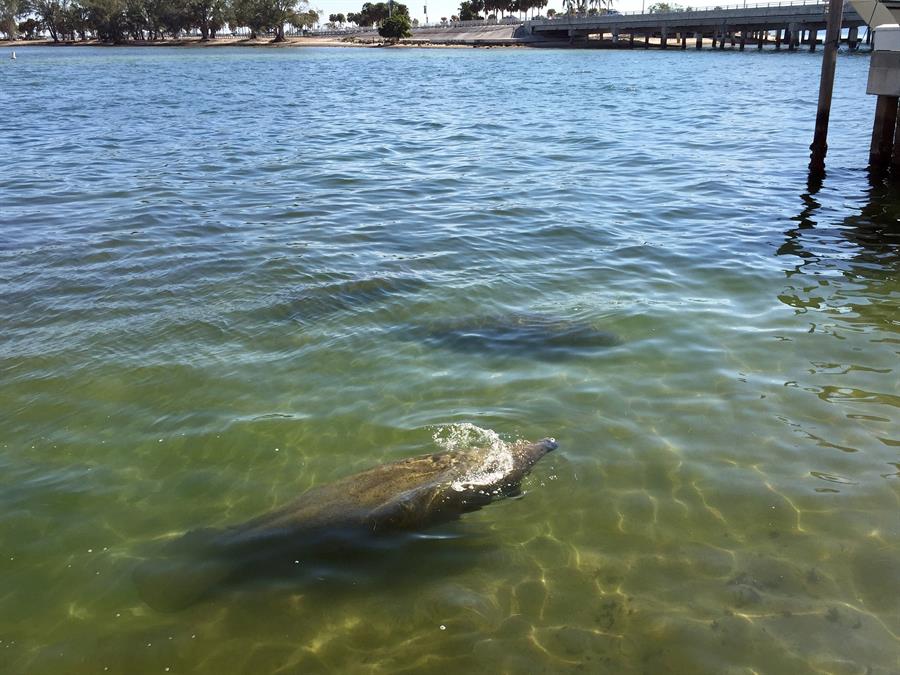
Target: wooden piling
x,y
883,131
699,38
684,40
819,145
777,39
743,42
760,39
813,38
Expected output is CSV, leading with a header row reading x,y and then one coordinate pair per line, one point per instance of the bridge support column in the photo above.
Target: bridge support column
x,y
631,41
731,35
793,40
761,39
723,35
714,40
699,38
684,40
646,40
615,36
883,132
777,39
813,39
743,42
663,38
853,38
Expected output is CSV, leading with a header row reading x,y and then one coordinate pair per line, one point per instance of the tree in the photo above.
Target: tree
x,y
249,13
395,27
207,15
664,7
52,14
373,13
468,10
10,10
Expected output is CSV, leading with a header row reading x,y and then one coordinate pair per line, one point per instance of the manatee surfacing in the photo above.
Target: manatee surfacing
x,y
361,513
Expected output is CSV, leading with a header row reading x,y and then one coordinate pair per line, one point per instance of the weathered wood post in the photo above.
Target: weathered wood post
x,y
664,37
684,40
743,42
814,38
832,38
714,39
760,39
884,82
777,39
699,38
631,41
853,38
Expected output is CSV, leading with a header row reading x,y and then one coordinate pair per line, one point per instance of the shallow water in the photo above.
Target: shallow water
x,y
215,266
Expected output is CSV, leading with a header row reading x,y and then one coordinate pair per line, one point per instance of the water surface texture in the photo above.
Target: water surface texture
x,y
228,275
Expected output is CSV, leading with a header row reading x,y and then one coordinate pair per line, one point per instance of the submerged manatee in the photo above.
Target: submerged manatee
x,y
535,334
362,511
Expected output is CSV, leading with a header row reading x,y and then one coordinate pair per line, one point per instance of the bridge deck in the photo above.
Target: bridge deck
x,y
809,16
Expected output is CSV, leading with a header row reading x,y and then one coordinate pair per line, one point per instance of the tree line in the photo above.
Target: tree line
x,y
121,20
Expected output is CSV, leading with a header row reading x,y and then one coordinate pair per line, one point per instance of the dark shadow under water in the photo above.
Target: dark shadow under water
x,y
186,573
534,335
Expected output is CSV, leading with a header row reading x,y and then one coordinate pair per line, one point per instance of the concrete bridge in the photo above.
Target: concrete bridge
x,y
785,24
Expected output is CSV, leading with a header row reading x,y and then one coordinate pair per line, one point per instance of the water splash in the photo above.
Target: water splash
x,y
498,461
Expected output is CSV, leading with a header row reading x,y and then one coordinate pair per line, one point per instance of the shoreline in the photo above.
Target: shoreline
x,y
289,43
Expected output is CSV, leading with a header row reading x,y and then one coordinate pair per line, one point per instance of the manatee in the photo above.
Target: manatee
x,y
533,334
364,511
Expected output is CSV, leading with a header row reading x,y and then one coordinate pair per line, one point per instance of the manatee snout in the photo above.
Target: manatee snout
x,y
549,444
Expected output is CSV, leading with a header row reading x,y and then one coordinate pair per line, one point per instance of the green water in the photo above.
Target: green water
x,y
228,281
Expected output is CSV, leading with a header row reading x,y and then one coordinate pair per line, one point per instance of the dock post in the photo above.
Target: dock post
x,y
699,38
826,84
777,39
853,38
732,39
884,81
631,41
743,42
615,35
760,39
814,38
664,37
883,131
795,38
723,35
714,40
684,40
646,40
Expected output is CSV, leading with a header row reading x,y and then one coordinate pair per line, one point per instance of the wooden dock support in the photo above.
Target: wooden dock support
x,y
664,38
743,42
832,37
684,40
699,38
631,41
777,39
883,132
760,39
813,39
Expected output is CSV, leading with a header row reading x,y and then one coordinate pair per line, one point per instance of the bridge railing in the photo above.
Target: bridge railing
x,y
690,10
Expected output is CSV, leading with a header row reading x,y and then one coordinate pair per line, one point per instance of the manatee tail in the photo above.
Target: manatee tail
x,y
187,572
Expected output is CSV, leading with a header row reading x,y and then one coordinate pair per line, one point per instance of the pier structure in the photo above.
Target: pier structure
x,y
786,25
